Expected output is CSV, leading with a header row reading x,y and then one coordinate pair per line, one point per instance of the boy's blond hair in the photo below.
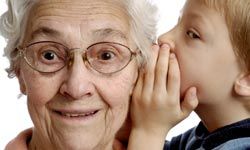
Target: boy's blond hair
x,y
237,16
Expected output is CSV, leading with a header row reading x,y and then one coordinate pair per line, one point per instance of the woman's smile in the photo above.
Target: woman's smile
x,y
76,115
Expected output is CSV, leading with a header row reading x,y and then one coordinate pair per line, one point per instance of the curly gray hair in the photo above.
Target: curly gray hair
x,y
142,16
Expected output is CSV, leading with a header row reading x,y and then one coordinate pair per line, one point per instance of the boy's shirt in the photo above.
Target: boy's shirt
x,y
230,137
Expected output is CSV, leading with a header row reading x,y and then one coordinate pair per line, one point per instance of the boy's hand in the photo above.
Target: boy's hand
x,y
156,105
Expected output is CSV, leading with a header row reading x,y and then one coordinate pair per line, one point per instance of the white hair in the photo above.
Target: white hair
x,y
142,16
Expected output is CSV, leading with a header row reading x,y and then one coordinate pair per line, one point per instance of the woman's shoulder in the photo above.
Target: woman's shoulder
x,y
20,141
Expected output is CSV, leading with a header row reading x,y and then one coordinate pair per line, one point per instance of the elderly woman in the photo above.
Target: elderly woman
x,y
77,62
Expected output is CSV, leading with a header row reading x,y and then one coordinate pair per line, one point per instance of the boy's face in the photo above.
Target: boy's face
x,y
205,54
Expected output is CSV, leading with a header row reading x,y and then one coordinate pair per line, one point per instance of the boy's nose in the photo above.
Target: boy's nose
x,y
79,80
168,38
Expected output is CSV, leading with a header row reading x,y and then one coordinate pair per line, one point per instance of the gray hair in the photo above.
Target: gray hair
x,y
142,15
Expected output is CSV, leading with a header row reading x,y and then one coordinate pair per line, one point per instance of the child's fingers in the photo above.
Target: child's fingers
x,y
162,68
138,88
190,101
174,81
149,77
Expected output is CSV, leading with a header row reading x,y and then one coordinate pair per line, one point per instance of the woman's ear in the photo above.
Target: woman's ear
x,y
242,85
21,84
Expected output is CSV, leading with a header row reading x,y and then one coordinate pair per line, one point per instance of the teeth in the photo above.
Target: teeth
x,y
78,115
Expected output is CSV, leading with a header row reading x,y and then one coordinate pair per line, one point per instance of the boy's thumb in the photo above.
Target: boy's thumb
x,y
190,101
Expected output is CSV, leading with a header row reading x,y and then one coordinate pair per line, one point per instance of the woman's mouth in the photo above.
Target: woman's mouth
x,y
76,116
72,114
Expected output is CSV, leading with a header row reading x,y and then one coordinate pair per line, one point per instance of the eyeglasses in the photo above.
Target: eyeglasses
x,y
50,57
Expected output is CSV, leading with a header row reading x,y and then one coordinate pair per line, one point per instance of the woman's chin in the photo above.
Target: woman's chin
x,y
79,142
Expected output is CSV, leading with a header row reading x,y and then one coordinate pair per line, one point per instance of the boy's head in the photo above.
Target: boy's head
x,y
237,17
211,42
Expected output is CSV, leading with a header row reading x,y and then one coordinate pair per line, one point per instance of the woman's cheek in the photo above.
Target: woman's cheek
x,y
41,90
118,89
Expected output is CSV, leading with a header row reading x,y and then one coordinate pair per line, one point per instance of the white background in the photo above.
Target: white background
x,y
13,111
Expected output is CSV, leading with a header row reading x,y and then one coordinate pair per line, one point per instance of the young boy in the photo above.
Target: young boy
x,y
212,45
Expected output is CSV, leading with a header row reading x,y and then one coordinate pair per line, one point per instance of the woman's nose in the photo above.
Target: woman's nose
x,y
168,38
79,80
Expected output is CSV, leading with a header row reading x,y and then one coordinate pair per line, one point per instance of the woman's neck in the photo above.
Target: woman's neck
x,y
38,143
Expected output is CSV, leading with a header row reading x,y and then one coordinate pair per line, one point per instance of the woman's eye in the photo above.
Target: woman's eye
x,y
193,35
106,55
49,55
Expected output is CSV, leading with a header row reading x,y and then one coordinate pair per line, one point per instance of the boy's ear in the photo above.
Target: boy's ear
x,y
242,85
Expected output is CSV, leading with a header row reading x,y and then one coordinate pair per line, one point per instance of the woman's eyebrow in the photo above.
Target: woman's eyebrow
x,y
109,33
45,31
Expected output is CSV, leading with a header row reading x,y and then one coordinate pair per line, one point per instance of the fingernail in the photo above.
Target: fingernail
x,y
172,56
155,47
193,92
165,46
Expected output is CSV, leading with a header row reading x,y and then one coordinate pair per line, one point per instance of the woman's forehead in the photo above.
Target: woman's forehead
x,y
79,8
83,17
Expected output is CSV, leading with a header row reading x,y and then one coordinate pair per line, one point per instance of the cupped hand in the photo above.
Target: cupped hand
x,y
156,106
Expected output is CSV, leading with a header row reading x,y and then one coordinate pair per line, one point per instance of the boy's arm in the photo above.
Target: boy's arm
x,y
156,106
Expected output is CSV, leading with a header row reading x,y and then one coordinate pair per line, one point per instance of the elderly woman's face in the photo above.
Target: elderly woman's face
x,y
77,107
